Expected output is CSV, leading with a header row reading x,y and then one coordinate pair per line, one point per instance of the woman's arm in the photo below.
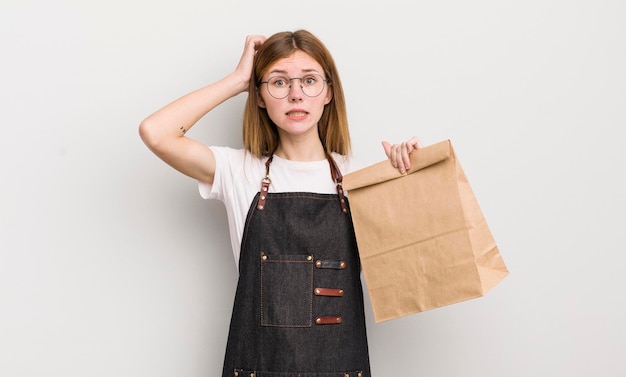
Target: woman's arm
x,y
164,131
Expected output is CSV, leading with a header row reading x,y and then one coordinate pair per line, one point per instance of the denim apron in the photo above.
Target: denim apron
x,y
298,309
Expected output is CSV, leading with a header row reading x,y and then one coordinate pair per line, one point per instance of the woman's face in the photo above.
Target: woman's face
x,y
300,110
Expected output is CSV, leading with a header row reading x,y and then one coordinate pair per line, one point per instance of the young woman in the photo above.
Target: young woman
x,y
298,308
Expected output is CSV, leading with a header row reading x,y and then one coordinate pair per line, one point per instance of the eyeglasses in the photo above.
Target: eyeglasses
x,y
279,87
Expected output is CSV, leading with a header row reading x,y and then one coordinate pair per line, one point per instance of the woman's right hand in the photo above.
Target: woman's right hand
x,y
244,68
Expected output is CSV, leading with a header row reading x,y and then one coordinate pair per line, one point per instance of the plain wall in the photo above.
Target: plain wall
x,y
112,265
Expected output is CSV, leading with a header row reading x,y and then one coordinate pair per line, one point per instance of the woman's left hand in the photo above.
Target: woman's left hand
x,y
398,154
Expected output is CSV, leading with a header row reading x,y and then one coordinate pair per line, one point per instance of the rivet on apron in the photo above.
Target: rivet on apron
x,y
263,256
236,373
309,257
346,375
360,374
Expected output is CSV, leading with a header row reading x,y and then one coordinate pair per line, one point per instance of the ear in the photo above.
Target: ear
x,y
329,96
259,100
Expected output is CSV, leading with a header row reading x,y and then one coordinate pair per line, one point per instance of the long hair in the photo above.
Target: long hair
x,y
260,135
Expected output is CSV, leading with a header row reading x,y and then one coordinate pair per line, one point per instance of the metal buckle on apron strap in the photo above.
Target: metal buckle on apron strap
x,y
328,320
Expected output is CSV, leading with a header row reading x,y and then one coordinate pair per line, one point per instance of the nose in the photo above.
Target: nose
x,y
295,92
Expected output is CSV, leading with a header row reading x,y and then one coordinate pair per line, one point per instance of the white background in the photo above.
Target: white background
x,y
112,265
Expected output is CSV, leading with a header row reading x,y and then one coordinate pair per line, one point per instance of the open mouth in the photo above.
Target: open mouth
x,y
297,113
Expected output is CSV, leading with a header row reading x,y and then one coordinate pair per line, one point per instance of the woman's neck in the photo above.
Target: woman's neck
x,y
301,151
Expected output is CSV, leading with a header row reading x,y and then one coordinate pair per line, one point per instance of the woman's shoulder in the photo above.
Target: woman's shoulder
x,y
235,156
228,151
236,169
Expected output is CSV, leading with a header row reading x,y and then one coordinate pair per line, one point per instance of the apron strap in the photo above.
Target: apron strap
x,y
265,185
338,179
335,174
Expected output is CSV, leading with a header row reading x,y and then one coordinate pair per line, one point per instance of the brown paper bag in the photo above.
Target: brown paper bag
x,y
422,238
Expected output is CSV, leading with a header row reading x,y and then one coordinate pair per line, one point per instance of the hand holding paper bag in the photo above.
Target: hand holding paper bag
x,y
422,238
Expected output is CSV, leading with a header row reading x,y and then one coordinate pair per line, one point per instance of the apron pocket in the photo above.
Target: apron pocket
x,y
286,290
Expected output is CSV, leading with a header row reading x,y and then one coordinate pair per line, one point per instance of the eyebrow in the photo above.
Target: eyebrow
x,y
284,72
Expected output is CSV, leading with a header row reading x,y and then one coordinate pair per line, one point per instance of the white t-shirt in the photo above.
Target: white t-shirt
x,y
238,176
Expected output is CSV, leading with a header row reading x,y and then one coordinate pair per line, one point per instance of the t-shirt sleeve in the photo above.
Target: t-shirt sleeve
x,y
223,173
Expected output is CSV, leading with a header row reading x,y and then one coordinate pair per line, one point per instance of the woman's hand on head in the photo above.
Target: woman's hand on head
x,y
398,154
244,68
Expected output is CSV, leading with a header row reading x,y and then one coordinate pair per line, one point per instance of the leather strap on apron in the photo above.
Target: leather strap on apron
x,y
335,174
